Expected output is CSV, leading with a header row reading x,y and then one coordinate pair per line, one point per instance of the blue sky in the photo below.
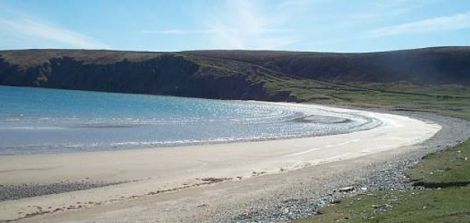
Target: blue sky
x,y
307,25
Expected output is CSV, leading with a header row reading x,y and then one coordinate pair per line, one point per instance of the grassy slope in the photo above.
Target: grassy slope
x,y
446,205
444,174
446,100
449,167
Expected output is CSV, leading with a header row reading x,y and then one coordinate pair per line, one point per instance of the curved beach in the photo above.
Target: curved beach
x,y
159,178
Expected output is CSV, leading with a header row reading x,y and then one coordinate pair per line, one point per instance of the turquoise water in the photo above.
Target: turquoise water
x,y
34,120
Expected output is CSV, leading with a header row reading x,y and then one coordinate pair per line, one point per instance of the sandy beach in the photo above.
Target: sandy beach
x,y
159,184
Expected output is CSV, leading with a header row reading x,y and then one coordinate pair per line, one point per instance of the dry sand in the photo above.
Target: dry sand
x,y
155,176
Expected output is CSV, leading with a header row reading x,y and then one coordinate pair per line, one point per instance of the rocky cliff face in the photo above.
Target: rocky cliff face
x,y
166,74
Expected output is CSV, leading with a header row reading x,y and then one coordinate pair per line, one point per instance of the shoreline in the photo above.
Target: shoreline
x,y
267,163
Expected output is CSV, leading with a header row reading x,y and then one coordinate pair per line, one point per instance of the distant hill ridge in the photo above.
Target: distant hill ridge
x,y
228,74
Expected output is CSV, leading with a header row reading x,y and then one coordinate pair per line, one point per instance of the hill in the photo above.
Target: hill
x,y
440,65
260,75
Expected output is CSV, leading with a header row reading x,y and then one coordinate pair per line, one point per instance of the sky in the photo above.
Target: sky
x,y
177,25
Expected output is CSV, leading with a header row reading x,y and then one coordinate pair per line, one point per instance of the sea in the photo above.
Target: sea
x,y
40,120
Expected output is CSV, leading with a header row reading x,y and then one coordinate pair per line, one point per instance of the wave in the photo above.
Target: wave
x,y
30,128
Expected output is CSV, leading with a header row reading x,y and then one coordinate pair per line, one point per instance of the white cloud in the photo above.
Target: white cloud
x,y
240,24
32,30
443,23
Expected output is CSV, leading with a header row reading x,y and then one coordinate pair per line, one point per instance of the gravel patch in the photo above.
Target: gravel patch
x,y
14,192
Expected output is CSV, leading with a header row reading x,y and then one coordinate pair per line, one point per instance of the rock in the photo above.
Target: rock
x,y
346,189
382,207
336,201
202,205
285,211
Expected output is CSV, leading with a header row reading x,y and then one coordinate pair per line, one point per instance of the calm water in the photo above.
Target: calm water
x,y
34,120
